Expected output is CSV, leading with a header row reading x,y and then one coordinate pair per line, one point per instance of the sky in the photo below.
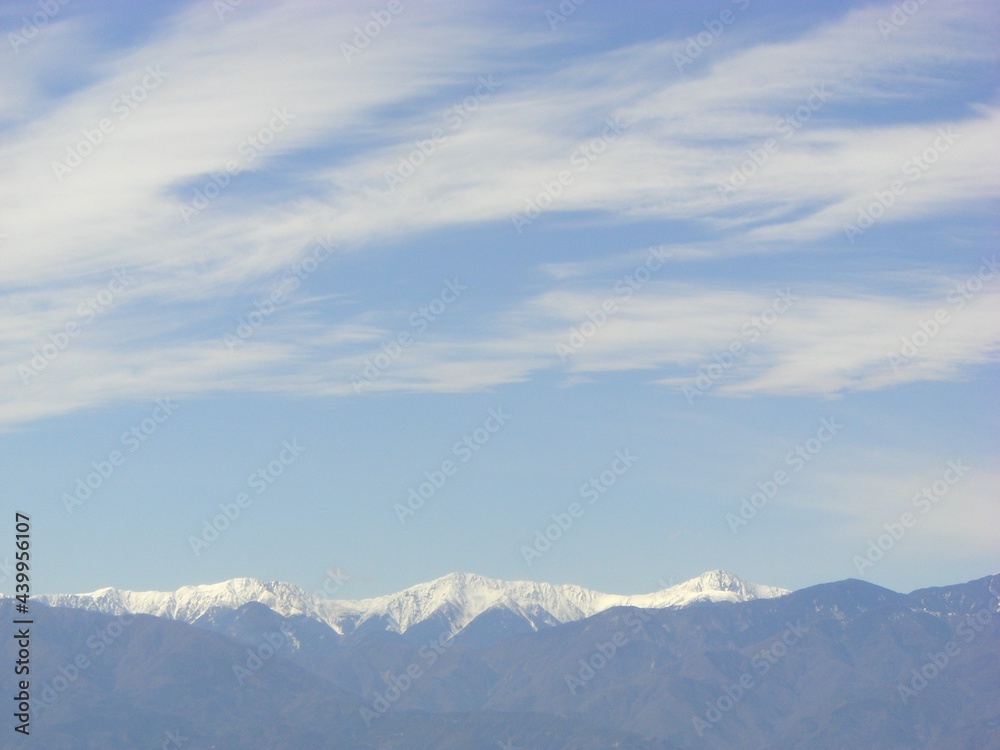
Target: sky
x,y
582,292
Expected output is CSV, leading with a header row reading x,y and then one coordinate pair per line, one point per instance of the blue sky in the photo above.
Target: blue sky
x,y
693,235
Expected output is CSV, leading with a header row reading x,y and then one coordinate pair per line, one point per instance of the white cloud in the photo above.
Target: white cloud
x,y
863,496
324,175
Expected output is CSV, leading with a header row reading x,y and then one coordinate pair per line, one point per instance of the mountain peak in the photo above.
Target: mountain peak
x,y
718,575
717,580
710,586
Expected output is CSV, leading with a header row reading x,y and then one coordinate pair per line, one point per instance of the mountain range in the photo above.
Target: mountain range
x,y
466,662
450,603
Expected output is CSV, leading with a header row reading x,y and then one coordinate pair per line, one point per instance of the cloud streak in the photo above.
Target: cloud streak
x,y
349,122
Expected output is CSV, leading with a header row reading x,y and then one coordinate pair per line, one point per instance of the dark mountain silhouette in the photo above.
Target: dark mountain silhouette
x,y
839,665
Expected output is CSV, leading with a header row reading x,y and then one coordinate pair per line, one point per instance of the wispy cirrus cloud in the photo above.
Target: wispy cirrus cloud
x,y
349,122
824,343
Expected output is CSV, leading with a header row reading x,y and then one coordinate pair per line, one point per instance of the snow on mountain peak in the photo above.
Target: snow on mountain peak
x,y
188,603
712,586
456,599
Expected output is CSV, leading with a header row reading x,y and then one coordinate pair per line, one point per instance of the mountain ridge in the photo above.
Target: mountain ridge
x,y
455,599
834,665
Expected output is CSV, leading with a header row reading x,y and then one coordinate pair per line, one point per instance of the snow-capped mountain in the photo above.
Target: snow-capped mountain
x,y
452,601
713,586
243,671
188,603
